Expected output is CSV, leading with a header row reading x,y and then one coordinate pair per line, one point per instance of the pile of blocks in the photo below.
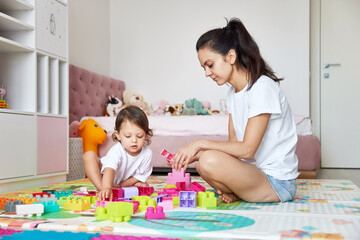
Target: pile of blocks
x,y
126,201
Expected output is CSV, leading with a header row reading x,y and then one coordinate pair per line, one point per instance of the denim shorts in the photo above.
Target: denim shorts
x,y
285,189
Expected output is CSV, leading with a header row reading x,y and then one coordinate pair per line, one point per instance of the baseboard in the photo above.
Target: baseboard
x,y
304,174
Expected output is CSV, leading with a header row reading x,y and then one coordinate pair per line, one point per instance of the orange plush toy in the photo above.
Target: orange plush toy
x,y
92,135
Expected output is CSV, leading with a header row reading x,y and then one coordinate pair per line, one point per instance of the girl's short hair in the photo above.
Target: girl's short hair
x,y
136,116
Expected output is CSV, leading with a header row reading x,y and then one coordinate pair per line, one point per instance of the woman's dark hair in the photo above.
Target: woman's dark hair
x,y
136,116
235,36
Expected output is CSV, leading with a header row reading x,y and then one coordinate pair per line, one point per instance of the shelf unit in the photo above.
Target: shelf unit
x,y
36,81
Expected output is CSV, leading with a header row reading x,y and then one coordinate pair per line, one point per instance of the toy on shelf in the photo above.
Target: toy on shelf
x,y
3,104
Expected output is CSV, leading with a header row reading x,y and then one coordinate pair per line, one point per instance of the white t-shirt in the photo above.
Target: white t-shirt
x,y
125,165
276,153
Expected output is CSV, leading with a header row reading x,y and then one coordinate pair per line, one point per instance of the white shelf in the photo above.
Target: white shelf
x,y
8,23
15,5
8,46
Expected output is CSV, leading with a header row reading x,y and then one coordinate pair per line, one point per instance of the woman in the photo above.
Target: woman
x,y
258,163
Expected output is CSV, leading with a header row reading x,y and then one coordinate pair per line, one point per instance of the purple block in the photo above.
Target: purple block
x,y
129,192
187,199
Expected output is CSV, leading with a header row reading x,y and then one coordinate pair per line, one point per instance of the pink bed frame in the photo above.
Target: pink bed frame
x,y
88,92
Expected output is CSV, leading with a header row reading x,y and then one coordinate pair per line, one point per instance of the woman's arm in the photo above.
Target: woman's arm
x,y
107,182
254,132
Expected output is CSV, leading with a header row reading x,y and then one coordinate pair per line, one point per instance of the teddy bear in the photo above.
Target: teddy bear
x,y
193,106
174,110
113,106
74,129
92,135
136,99
159,108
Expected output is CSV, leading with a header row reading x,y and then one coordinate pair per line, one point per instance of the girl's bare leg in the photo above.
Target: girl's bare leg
x,y
234,179
92,167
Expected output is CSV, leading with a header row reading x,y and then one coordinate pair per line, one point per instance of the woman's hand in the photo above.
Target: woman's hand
x,y
186,155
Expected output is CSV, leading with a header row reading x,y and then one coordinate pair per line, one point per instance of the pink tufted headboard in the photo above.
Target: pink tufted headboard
x,y
89,91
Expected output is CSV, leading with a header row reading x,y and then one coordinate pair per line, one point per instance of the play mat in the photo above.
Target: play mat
x,y
322,209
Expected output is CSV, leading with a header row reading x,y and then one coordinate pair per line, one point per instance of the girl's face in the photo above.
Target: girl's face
x,y
216,66
132,137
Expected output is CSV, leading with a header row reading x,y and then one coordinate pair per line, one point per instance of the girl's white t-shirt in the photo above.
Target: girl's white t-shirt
x,y
276,153
127,166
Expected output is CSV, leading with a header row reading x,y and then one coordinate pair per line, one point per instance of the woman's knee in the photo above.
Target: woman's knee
x,y
207,162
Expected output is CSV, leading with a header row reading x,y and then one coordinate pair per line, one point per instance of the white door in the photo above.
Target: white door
x,y
340,83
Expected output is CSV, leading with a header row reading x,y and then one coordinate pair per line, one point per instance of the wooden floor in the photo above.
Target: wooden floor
x,y
349,174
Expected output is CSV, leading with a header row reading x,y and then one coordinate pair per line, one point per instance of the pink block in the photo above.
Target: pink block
x,y
197,187
159,214
145,190
169,156
118,193
181,185
178,176
167,205
101,203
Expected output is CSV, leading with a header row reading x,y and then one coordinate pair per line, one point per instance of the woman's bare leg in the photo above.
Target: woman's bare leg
x,y
234,179
92,167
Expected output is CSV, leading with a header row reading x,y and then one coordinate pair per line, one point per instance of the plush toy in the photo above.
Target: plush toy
x,y
92,135
194,105
159,108
74,129
113,106
133,98
206,106
3,104
174,110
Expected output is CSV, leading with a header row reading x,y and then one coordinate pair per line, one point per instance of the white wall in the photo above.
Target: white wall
x,y
153,45
89,35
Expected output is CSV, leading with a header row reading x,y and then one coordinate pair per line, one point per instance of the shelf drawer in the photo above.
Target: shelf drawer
x,y
17,145
51,25
51,145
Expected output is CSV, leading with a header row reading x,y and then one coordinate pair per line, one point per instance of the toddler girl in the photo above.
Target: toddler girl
x,y
128,162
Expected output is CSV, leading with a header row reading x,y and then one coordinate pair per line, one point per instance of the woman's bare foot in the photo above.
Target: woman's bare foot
x,y
228,197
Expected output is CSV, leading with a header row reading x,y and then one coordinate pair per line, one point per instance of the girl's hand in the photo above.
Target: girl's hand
x,y
186,155
105,194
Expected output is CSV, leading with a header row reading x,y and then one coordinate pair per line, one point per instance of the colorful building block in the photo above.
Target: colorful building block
x,y
159,214
77,205
50,206
41,194
187,199
29,209
195,186
206,199
8,232
59,194
115,211
175,200
10,206
145,190
118,237
169,156
3,201
178,176
166,204
129,192
46,198
145,201
118,193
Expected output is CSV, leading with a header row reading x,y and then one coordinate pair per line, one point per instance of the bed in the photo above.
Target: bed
x,y
87,97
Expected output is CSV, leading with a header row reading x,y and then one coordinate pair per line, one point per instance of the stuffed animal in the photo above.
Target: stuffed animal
x,y
74,129
113,106
92,135
159,108
136,99
3,104
174,110
194,105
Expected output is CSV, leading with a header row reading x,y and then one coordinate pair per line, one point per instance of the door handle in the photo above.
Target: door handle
x,y
327,65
